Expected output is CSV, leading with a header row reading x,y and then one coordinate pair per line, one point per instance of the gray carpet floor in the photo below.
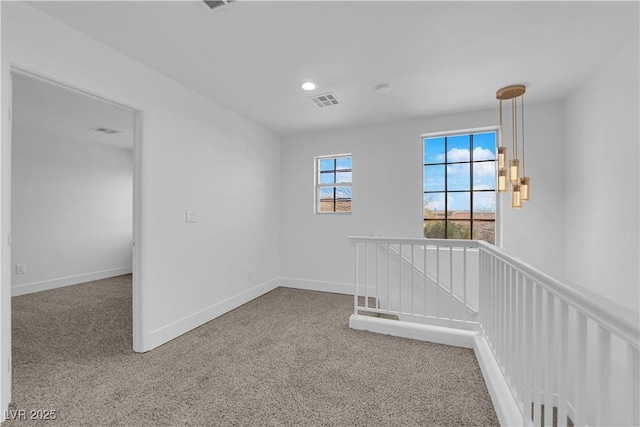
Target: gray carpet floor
x,y
287,358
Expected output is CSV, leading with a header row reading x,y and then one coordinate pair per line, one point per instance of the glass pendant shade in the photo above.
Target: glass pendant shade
x,y
502,180
514,166
524,188
502,158
516,201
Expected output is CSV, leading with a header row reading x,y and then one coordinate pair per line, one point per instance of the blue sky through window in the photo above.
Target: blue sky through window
x,y
343,163
335,170
458,175
326,165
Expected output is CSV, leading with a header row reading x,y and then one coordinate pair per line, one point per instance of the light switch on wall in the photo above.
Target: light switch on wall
x,y
191,216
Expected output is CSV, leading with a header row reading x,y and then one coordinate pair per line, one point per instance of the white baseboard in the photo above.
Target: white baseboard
x,y
60,282
319,285
398,328
505,405
181,326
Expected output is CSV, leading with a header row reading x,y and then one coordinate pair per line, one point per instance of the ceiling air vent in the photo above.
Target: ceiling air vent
x,y
213,4
325,100
106,131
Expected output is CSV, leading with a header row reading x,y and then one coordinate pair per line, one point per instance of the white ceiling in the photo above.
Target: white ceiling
x,y
439,57
55,110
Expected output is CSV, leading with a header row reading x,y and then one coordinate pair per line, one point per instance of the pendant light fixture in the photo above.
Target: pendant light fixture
x,y
502,180
502,160
514,164
520,185
516,199
525,181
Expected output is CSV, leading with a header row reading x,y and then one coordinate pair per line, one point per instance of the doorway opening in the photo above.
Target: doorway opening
x,y
75,191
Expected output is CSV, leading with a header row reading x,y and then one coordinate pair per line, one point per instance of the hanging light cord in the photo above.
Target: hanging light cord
x,y
514,116
501,122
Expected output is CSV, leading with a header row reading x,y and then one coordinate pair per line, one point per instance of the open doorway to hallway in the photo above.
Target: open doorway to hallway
x,y
72,199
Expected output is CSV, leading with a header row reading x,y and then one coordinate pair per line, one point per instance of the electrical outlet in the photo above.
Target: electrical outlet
x,y
191,216
21,268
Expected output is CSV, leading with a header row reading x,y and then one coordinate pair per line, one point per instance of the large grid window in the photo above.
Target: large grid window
x,y
333,184
459,186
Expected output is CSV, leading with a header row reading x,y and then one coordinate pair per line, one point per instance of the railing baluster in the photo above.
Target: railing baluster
x,y
500,310
481,281
450,282
633,362
508,324
388,278
377,275
529,348
581,372
482,288
496,305
517,337
522,336
503,316
495,297
506,327
549,360
424,266
366,275
563,368
540,353
604,404
488,311
400,278
437,313
464,282
413,308
355,296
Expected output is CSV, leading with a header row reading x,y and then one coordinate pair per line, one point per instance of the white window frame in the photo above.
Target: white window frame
x,y
317,185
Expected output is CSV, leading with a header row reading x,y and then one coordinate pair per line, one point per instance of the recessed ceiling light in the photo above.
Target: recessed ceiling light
x,y
105,130
308,86
383,88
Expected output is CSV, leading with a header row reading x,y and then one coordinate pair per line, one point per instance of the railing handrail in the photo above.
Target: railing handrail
x,y
415,241
616,318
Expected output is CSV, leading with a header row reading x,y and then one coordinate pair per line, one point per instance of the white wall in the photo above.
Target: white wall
x,y
601,180
72,210
195,155
387,194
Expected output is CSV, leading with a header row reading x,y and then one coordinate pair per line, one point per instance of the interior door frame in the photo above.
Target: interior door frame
x,y
138,206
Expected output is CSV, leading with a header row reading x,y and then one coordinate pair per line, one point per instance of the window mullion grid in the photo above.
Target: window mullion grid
x,y
446,190
471,191
471,187
333,185
335,178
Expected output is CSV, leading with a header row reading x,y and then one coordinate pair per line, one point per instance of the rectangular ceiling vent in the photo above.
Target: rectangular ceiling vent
x,y
106,131
325,100
213,4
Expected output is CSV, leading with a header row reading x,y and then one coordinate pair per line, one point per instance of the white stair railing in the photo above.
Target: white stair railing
x,y
419,280
567,355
